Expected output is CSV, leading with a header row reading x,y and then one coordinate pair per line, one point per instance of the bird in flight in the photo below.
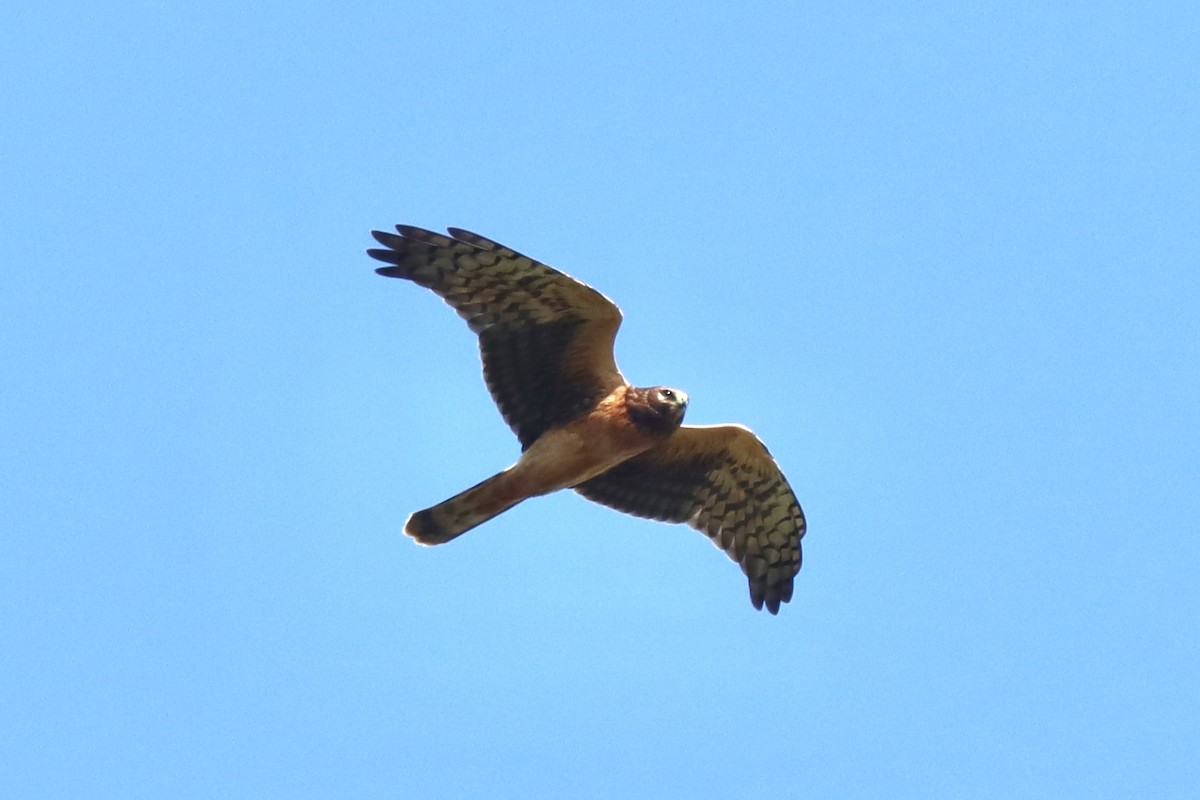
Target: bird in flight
x,y
546,341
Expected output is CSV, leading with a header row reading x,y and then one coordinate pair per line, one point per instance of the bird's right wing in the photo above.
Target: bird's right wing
x,y
721,480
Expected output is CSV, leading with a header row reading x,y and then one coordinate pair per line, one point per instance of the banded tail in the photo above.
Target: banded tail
x,y
454,517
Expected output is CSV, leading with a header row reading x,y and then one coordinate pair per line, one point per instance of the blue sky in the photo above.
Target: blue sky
x,y
942,257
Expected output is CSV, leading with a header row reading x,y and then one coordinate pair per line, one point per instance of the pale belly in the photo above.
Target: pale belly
x,y
570,455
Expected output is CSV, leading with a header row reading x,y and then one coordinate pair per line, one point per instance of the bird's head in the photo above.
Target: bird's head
x,y
656,408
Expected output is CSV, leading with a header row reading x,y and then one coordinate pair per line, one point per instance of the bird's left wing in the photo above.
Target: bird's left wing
x,y
721,480
546,339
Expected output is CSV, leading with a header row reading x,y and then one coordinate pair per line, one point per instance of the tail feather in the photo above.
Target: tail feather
x,y
454,517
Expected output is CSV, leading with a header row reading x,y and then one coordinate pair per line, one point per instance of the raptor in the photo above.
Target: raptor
x,y
546,341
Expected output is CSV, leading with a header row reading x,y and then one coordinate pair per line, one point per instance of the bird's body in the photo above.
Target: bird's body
x,y
561,458
546,341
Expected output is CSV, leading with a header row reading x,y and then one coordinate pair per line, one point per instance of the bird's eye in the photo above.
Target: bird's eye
x,y
666,394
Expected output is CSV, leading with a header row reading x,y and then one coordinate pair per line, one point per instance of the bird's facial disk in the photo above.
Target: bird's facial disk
x,y
669,401
658,409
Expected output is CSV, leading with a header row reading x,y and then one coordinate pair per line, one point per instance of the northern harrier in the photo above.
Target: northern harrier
x,y
546,341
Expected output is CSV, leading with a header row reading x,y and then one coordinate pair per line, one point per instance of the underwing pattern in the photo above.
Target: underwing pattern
x,y
722,481
546,342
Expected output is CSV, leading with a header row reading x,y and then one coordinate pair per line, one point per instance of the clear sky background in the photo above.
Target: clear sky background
x,y
944,258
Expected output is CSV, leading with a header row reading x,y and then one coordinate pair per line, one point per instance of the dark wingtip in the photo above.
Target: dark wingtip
x,y
386,239
394,270
411,233
785,592
756,596
473,239
770,596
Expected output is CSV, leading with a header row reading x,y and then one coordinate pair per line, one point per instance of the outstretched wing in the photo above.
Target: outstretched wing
x,y
546,339
721,480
